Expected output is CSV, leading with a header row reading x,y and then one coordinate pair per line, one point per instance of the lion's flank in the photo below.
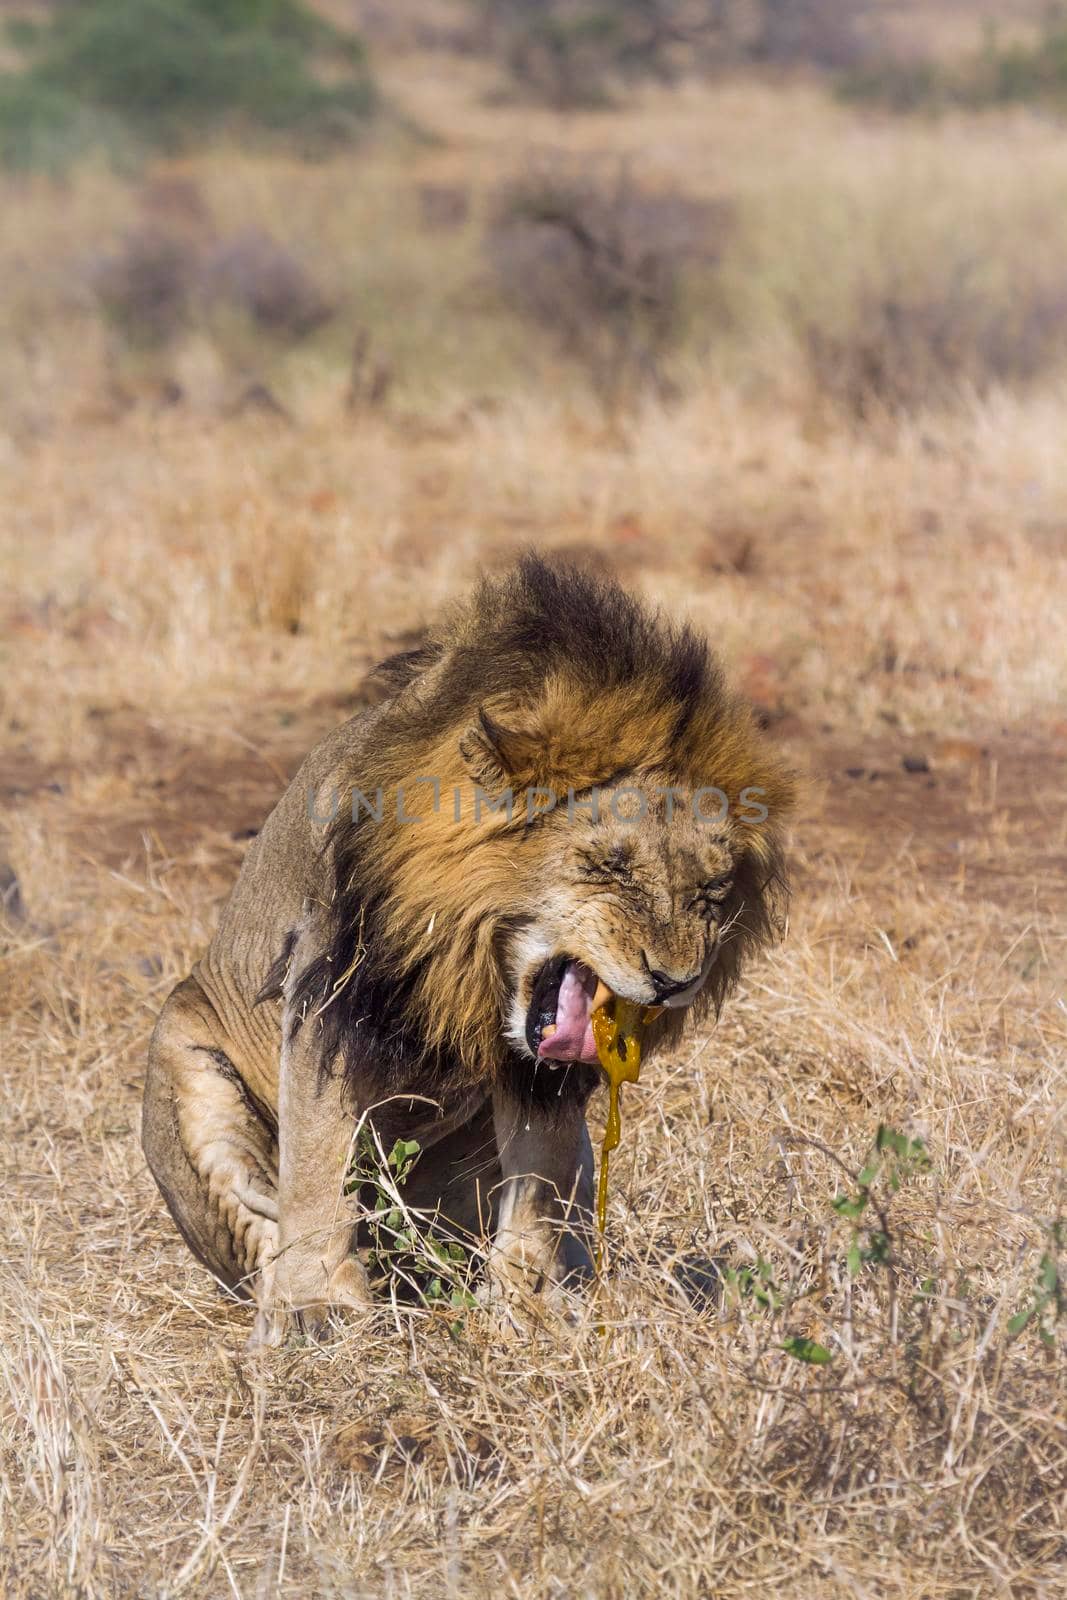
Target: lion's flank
x,y
544,678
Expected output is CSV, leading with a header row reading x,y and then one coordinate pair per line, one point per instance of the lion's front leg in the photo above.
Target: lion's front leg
x,y
544,1210
315,1269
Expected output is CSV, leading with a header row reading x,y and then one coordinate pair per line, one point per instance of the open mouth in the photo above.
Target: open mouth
x,y
559,1020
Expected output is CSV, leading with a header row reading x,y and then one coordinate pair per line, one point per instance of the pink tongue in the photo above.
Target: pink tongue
x,y
573,1039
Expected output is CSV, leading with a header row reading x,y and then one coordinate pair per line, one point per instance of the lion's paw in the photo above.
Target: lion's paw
x,y
347,1299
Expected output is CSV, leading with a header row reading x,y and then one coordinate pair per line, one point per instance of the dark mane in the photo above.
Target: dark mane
x,y
512,638
538,620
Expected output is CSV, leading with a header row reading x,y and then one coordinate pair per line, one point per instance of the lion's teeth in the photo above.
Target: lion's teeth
x,y
548,1030
603,994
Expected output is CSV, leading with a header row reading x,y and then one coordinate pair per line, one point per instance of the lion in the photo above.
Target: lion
x,y
556,797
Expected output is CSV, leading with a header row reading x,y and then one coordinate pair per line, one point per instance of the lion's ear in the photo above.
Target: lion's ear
x,y
497,756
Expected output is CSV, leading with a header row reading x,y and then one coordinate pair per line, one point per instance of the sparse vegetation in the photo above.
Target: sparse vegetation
x,y
579,52
824,1362
147,287
575,53
257,275
600,264
1016,72
922,345
249,293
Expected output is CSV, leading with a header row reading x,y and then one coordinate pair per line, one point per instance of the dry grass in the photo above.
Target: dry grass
x,y
190,600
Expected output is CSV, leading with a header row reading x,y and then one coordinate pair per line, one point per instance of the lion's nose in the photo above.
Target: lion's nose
x,y
667,987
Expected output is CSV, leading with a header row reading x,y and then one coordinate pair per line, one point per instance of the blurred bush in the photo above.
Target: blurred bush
x,y
167,72
924,343
815,33
572,53
173,274
257,275
1021,72
995,75
899,85
146,288
444,207
599,264
45,128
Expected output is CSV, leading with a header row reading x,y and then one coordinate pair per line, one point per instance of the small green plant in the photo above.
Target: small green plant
x,y
1048,1298
893,1158
755,1283
406,1245
808,1350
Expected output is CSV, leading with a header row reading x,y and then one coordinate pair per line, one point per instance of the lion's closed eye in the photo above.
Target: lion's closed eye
x,y
612,867
712,893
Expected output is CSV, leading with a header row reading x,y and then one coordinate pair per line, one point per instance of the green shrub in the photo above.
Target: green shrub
x,y
1025,72
414,1255
169,71
44,129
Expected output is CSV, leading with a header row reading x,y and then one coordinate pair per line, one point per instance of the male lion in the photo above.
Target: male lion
x,y
557,792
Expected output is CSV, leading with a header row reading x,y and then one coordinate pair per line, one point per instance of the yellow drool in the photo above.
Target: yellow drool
x,y
617,1029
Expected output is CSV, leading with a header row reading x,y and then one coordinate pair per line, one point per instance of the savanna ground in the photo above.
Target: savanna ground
x,y
211,531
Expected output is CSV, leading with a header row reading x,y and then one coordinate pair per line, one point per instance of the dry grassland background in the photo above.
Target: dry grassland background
x,y
260,416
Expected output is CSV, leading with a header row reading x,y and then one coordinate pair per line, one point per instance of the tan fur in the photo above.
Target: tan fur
x,y
376,958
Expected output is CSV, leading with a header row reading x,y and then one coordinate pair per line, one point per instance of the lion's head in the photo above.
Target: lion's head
x,y
559,794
